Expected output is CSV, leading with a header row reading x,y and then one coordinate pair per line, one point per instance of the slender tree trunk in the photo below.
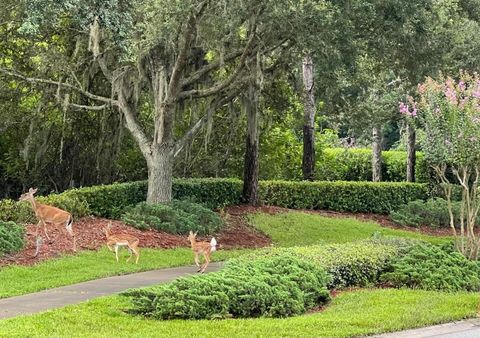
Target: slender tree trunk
x,y
411,156
308,162
251,166
376,155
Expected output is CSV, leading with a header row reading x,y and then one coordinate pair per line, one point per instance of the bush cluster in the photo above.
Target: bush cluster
x,y
177,217
11,237
111,200
279,286
433,267
433,213
339,164
351,264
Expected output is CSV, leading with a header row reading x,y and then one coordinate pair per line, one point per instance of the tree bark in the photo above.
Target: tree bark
x,y
251,165
160,174
411,155
376,155
308,162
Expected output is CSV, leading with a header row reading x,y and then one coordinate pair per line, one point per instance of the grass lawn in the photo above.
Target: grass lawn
x,y
88,265
297,228
350,313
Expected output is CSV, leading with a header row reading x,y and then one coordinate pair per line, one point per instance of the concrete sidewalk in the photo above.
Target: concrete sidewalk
x,y
465,328
73,294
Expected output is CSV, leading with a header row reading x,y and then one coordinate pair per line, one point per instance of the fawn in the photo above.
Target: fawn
x,y
205,248
48,214
116,241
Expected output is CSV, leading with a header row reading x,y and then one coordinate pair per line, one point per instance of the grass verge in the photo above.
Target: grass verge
x,y
87,265
350,314
296,228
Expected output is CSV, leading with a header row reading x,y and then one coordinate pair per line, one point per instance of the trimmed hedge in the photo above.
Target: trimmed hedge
x,y
341,196
111,200
339,164
11,237
279,286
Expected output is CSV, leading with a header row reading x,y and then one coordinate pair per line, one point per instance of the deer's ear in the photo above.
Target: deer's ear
x,y
195,234
33,191
191,233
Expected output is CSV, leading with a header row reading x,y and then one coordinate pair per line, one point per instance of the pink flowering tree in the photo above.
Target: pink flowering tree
x,y
450,113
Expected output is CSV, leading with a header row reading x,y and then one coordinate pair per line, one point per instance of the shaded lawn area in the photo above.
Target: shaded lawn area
x,y
88,265
298,228
354,313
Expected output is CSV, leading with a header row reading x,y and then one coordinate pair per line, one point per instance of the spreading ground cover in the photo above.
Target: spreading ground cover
x,y
355,313
88,265
296,228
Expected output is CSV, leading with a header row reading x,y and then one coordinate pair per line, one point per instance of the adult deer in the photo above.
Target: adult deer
x,y
48,214
205,248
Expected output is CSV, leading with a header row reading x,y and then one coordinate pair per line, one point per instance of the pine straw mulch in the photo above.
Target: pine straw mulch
x,y
237,233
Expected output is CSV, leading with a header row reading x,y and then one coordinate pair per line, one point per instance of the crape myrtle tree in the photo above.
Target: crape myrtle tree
x,y
449,110
155,56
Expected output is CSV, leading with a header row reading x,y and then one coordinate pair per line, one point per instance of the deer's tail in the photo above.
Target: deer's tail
x,y
213,244
69,225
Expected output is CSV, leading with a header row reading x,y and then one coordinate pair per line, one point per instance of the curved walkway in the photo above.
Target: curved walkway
x,y
462,329
76,293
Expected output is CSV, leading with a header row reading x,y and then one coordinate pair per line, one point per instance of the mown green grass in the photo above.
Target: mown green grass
x,y
88,265
350,314
295,228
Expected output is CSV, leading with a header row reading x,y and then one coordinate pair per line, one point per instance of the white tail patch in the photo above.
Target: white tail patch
x,y
213,244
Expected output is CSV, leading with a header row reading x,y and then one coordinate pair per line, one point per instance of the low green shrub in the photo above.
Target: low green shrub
x,y
178,217
351,264
433,267
278,286
11,237
339,164
433,213
341,196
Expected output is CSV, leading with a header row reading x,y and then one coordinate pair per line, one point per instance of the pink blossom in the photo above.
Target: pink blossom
x,y
462,86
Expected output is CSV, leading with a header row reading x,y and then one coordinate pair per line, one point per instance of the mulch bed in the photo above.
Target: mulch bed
x,y
90,236
237,234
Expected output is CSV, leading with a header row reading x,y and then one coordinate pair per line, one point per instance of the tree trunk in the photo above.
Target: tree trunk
x,y
308,162
251,166
411,156
376,155
160,175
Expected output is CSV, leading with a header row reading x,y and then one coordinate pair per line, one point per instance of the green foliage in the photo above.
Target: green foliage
x,y
432,212
278,286
177,217
339,164
11,237
350,264
111,200
341,196
433,267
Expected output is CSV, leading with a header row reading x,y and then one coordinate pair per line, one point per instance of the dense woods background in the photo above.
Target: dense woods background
x,y
302,77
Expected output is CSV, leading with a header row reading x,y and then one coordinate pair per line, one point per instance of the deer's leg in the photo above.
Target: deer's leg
x,y
197,262
130,250
135,252
207,260
116,252
45,229
39,246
